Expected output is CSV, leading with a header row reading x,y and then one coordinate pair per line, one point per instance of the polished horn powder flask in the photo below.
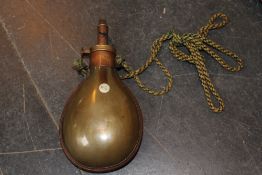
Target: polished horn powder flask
x,y
101,125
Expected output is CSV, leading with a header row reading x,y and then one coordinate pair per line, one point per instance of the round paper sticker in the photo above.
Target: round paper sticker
x,y
104,88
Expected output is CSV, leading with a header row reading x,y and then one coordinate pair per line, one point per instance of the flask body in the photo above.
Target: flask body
x,y
101,125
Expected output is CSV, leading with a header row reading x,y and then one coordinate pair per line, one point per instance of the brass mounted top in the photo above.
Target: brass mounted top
x,y
102,38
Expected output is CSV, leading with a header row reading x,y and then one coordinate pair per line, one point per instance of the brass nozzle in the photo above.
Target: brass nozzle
x,y
102,32
102,38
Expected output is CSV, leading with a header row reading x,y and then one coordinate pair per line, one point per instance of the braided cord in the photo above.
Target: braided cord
x,y
194,43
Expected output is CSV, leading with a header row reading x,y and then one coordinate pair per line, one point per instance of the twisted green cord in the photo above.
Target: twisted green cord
x,y
194,43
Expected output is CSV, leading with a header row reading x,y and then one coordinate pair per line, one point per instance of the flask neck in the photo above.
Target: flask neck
x,y
102,58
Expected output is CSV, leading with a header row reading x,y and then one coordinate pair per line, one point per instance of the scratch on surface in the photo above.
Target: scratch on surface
x,y
53,52
242,38
1,172
24,98
236,76
50,43
22,27
52,26
9,37
240,123
247,150
30,135
186,74
164,10
257,22
42,170
27,125
159,113
159,143
30,151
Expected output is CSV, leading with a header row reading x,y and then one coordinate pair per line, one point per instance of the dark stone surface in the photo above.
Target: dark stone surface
x,y
42,163
25,124
40,39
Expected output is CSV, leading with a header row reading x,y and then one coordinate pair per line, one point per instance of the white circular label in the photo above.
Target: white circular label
x,y
104,88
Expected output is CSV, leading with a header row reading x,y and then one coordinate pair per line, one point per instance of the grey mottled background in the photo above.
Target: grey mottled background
x,y
39,40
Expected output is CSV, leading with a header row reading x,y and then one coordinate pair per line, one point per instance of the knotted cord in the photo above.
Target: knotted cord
x,y
195,43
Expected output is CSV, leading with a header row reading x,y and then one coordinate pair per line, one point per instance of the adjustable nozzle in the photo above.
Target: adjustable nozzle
x,y
102,38
102,32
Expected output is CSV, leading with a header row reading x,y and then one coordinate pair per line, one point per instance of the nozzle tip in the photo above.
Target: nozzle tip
x,y
102,21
